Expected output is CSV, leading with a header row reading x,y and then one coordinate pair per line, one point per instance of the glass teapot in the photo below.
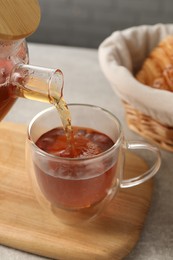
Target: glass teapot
x,y
18,79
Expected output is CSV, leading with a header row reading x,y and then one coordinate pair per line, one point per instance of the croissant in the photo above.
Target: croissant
x,y
157,69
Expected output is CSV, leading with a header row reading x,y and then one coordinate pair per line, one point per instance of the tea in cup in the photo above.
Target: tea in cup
x,y
76,179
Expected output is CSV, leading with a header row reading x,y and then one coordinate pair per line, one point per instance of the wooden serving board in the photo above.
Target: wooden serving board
x,y
25,226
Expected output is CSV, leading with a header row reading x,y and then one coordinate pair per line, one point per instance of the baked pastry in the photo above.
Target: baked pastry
x,y
157,69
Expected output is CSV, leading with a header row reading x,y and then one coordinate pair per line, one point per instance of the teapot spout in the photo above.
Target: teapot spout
x,y
37,83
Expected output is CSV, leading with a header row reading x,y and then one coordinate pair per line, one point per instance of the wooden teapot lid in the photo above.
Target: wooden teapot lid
x,y
18,18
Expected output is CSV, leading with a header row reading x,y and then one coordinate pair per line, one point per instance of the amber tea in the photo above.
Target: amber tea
x,y
73,187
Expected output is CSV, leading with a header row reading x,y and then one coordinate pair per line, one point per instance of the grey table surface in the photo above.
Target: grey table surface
x,y
85,83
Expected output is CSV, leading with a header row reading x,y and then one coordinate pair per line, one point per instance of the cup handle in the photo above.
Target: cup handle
x,y
150,172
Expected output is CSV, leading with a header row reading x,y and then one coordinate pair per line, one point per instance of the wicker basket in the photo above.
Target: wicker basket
x,y
149,112
149,128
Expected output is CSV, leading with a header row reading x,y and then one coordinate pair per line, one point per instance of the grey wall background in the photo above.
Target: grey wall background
x,y
86,23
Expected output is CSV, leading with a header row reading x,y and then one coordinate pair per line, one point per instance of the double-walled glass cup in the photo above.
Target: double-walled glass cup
x,y
77,190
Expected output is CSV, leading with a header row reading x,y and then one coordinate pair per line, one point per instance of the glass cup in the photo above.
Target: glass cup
x,y
76,190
